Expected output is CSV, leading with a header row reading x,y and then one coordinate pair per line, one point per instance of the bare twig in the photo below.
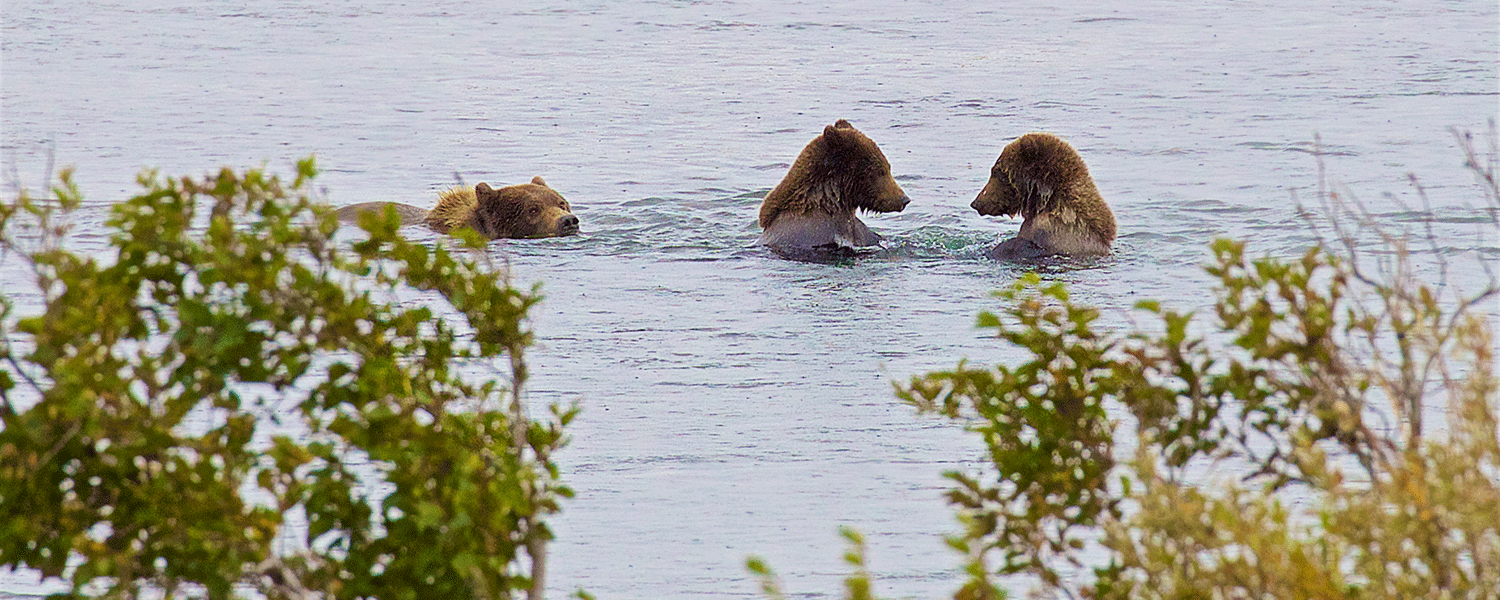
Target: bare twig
x,y
1421,337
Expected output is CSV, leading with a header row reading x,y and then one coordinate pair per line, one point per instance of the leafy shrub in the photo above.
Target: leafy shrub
x,y
1291,400
236,407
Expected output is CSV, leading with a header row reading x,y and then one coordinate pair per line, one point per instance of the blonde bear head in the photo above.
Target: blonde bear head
x,y
528,210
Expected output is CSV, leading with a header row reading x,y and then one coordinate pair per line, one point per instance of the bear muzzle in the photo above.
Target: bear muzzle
x,y
984,208
567,224
893,204
987,203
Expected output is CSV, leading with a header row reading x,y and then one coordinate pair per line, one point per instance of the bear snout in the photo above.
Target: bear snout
x,y
567,225
892,203
987,203
979,205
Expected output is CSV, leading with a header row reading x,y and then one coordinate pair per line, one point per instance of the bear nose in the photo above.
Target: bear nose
x,y
568,223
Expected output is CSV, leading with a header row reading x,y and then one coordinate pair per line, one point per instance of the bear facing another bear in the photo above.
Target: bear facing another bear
x,y
836,173
1041,178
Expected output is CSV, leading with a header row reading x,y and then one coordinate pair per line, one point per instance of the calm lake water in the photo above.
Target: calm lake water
x,y
736,403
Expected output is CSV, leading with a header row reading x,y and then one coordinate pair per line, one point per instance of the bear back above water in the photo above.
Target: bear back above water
x,y
1043,179
528,210
837,172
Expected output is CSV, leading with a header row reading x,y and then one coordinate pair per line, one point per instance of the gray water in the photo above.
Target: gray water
x,y
735,402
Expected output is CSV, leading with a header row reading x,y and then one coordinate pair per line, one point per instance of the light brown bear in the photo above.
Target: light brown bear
x,y
528,210
1040,177
813,206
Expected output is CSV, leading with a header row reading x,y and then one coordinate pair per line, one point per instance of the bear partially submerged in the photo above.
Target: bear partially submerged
x,y
1041,178
813,206
528,210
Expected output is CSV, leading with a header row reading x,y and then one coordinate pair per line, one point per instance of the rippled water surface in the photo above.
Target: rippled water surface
x,y
736,402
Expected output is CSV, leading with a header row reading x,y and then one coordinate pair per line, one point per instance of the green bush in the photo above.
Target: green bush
x,y
1311,393
193,412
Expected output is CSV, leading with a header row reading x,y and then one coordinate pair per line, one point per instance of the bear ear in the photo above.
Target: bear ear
x,y
483,189
837,129
539,181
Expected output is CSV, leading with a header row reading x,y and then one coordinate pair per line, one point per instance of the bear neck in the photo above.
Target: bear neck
x,y
829,197
498,220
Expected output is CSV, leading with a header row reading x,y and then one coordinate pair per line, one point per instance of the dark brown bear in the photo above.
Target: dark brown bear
x,y
529,210
813,206
1042,179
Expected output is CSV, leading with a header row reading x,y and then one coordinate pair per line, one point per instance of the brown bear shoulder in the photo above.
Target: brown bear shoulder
x,y
454,208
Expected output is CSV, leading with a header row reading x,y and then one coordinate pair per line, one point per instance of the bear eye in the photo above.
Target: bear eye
x,y
534,210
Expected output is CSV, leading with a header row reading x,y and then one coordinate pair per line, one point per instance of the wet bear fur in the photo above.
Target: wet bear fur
x,y
813,207
528,210
1041,178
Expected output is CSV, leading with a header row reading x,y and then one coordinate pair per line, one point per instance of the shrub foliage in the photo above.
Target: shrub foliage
x,y
246,406
1297,391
